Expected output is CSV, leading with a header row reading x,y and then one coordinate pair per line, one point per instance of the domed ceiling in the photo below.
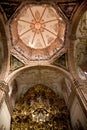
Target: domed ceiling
x,y
37,31
38,26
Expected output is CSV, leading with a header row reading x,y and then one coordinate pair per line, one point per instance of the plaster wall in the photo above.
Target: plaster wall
x,y
78,118
5,118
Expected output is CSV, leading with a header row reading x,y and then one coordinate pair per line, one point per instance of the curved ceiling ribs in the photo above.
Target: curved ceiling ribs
x,y
48,50
38,20
38,30
38,33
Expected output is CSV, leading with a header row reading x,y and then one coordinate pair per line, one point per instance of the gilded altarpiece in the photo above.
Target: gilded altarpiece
x,y
40,109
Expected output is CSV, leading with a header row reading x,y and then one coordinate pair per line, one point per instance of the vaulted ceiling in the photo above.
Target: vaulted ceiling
x,y
38,37
45,42
42,40
39,40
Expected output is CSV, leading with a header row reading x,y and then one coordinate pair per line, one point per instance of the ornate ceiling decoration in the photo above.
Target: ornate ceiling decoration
x,y
38,31
38,26
62,61
40,109
50,41
15,63
80,52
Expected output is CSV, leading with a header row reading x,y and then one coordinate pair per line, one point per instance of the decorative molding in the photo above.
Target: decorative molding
x,y
38,39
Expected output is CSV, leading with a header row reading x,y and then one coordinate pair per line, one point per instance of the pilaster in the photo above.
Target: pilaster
x,y
81,92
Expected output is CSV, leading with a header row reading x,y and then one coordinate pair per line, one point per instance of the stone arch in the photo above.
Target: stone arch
x,y
3,45
47,75
75,21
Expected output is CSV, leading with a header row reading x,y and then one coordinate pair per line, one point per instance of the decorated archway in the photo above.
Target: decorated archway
x,y
40,109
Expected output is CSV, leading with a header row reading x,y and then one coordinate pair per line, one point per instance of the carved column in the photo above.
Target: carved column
x,y
3,91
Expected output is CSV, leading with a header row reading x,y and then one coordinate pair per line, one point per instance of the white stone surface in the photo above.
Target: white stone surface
x,y
5,118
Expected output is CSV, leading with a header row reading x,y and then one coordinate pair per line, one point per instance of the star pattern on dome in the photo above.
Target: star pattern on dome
x,y
38,26
38,31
